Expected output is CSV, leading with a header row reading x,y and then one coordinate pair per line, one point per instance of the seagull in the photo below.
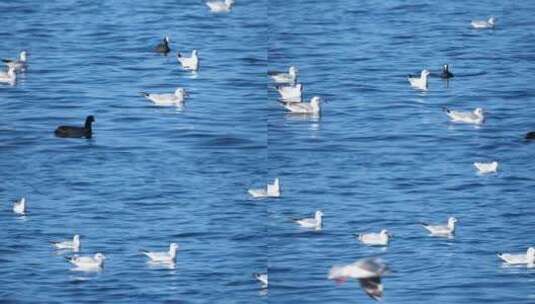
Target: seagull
x,y
290,93
442,230
95,262
272,190
374,239
74,244
189,63
17,64
419,82
485,168
313,107
262,278
368,271
312,223
163,47
176,99
476,117
162,256
484,24
19,207
8,77
220,6
282,77
522,258
446,74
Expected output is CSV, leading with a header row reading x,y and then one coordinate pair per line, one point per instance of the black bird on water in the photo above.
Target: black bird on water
x,y
76,132
446,74
530,135
163,47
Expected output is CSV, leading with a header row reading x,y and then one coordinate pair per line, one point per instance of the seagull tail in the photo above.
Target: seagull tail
x,y
178,55
68,258
145,94
423,224
446,109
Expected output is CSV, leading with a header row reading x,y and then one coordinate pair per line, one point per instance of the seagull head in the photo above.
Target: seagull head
x,y
318,214
22,56
385,232
229,2
478,112
180,92
292,70
194,53
173,247
492,20
99,257
451,221
425,73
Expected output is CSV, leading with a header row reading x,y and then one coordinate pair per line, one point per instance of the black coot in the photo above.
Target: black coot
x,y
446,72
76,132
530,135
163,47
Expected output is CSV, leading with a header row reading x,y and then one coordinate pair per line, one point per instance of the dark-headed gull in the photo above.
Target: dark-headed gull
x,y
476,117
9,76
73,245
19,207
17,64
162,256
442,230
312,107
484,24
368,271
272,190
485,168
77,132
374,239
312,223
189,63
283,77
419,82
220,6
176,99
262,278
95,262
522,258
163,46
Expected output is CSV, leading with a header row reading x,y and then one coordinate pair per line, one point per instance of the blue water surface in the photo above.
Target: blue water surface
x,y
382,155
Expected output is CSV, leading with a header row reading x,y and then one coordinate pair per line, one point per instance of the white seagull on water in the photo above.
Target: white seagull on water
x,y
374,239
95,262
189,63
442,230
9,76
220,6
282,77
73,245
484,24
312,223
522,258
17,64
162,256
312,107
419,82
476,117
272,190
368,271
290,93
176,99
485,168
19,207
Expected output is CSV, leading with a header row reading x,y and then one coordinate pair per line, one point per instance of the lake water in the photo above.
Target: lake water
x,y
382,155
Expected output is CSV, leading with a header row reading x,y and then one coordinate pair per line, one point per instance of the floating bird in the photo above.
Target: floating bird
x,y
446,74
282,77
74,245
262,278
419,82
272,190
76,132
374,239
189,63
290,93
476,117
163,256
220,6
312,223
530,135
95,262
442,230
19,207
176,99
484,24
163,46
8,77
313,107
522,258
17,64
368,271
485,168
